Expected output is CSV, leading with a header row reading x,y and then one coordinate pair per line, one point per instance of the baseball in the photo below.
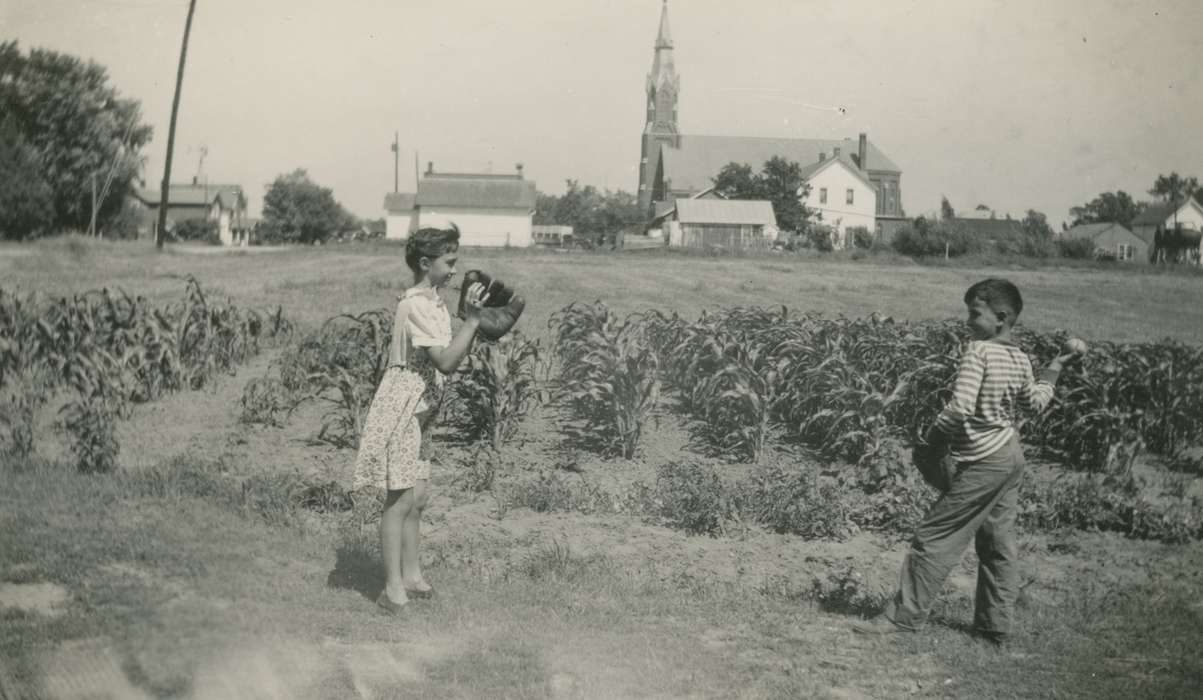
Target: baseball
x,y
1076,346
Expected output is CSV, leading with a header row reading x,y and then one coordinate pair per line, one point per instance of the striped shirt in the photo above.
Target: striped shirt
x,y
994,382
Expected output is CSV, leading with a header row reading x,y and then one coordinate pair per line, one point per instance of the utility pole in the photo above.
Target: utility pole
x,y
92,222
175,110
396,160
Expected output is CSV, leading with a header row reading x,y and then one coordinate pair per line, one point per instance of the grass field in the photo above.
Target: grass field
x,y
186,574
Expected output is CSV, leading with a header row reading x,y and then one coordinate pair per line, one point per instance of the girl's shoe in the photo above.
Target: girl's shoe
x,y
388,605
420,593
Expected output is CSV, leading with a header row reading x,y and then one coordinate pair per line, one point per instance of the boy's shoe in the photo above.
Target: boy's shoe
x,y
994,639
877,625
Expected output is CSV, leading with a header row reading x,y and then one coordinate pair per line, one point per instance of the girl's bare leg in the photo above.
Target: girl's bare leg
x,y
397,505
411,537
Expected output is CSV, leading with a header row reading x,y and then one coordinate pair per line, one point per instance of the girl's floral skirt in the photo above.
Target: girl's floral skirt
x,y
390,446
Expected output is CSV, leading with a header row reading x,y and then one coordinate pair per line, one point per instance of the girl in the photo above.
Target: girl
x,y
421,353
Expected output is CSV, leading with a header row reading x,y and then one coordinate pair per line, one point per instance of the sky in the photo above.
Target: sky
x,y
1016,104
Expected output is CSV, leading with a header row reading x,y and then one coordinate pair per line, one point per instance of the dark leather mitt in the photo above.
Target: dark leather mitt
x,y
935,465
501,309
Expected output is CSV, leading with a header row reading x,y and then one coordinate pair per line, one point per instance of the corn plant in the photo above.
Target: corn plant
x,y
497,387
341,366
107,350
609,384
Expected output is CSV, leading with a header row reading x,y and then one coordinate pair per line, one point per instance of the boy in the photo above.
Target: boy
x,y
978,428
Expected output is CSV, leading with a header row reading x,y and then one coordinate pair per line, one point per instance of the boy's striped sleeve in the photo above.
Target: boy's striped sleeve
x,y
1037,393
964,398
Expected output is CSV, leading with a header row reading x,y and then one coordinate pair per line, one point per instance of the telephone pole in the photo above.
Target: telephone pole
x,y
396,161
175,110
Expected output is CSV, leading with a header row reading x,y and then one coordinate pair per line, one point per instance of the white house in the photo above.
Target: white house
x,y
841,194
223,204
1112,240
1188,215
490,210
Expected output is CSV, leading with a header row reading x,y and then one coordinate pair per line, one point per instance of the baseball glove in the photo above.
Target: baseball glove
x,y
501,309
935,465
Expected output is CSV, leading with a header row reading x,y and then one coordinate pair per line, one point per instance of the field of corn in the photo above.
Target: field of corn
x,y
96,353
848,395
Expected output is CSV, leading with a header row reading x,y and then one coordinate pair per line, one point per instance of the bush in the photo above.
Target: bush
x,y
821,237
203,230
1075,248
794,499
927,239
861,237
692,497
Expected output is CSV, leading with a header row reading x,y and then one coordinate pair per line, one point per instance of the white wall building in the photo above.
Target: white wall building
x,y
841,194
490,210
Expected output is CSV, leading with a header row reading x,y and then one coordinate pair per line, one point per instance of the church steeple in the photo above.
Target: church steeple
x,y
664,40
663,89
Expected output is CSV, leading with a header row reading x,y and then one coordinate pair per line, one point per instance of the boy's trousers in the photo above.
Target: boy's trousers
x,y
981,504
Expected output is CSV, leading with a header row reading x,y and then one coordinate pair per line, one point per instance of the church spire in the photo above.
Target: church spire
x,y
664,40
663,89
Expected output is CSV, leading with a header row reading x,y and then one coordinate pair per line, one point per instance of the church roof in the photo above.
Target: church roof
x,y
700,158
476,190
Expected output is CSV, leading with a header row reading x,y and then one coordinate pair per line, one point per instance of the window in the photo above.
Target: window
x,y
849,196
822,195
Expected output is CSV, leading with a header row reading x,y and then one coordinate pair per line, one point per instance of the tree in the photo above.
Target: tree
x,y
76,127
26,199
947,213
779,181
1109,207
298,210
594,215
737,181
1174,188
1035,224
175,109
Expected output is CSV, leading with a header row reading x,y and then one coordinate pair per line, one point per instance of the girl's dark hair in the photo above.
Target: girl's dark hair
x,y
999,294
430,243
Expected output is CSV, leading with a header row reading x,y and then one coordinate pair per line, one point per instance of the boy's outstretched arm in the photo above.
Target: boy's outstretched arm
x,y
1038,392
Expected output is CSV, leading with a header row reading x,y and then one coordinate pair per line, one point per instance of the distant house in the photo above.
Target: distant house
x,y
841,194
1112,240
727,223
224,204
490,210
1188,215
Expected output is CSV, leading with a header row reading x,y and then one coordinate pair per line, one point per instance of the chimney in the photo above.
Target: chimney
x,y
518,167
429,168
835,152
863,150
822,156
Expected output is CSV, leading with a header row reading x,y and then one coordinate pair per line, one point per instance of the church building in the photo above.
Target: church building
x,y
865,184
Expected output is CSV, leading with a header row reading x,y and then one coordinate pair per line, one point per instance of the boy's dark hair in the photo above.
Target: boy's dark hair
x,y
430,243
999,294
